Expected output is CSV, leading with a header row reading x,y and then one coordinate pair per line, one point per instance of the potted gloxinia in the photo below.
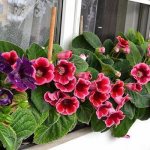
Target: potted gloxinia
x,y
103,85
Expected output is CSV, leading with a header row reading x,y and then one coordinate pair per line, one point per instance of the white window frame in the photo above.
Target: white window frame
x,y
70,21
142,1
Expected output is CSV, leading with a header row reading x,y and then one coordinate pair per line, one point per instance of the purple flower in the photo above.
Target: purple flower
x,y
6,97
5,67
21,76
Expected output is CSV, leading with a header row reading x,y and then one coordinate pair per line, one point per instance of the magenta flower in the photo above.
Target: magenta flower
x,y
134,87
103,83
67,105
117,89
11,57
97,98
85,75
6,97
67,54
114,118
64,72
43,71
53,98
82,88
103,110
69,87
141,72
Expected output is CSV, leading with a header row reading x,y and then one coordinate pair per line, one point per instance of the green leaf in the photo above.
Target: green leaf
x,y
92,39
134,57
35,51
140,38
139,100
109,45
131,36
7,46
80,64
97,124
5,118
123,128
94,73
80,42
129,110
7,137
56,49
85,112
45,134
37,98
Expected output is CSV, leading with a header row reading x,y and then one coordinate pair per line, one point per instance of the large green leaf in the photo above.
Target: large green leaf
x,y
109,45
36,51
85,112
45,134
139,100
80,64
134,57
97,124
7,46
56,49
122,129
92,39
8,137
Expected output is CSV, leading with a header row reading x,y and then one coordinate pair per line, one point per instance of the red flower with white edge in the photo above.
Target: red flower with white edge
x,y
69,87
64,72
67,105
114,118
103,83
122,100
85,75
97,98
123,45
53,98
103,110
11,57
44,71
67,54
82,88
141,72
117,89
134,87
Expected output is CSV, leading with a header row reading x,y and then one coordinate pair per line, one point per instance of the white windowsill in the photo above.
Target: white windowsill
x,y
142,1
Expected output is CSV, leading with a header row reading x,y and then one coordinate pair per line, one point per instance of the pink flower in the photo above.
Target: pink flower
x,y
97,98
69,87
101,50
18,89
82,88
134,87
44,71
67,54
103,110
123,45
141,72
83,57
103,83
67,105
114,118
53,98
85,75
11,57
64,72
122,100
117,89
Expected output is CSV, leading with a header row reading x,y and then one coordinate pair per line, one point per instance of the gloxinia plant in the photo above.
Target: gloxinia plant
x,y
104,85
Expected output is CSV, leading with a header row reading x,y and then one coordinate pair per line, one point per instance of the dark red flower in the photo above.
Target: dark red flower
x,y
103,110
69,87
65,54
53,98
82,88
97,98
134,87
114,118
103,83
64,72
141,72
44,71
67,105
85,75
11,57
117,89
